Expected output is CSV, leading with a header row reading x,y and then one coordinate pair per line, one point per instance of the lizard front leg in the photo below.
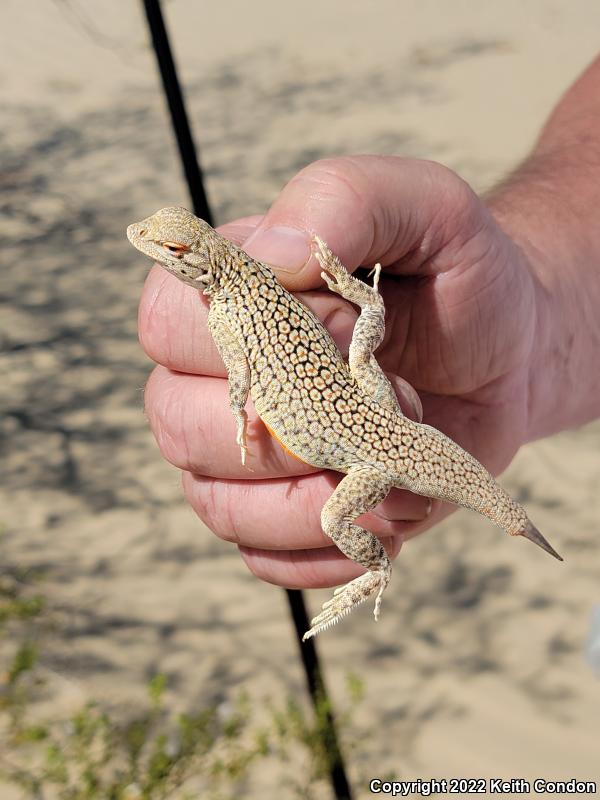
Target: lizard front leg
x,y
369,329
238,371
358,492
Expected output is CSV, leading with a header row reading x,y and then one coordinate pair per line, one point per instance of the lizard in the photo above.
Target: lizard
x,y
328,412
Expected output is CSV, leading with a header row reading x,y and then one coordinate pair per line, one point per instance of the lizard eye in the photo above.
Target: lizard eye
x,y
176,248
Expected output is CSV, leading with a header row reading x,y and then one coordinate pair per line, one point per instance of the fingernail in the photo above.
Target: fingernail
x,y
288,249
340,323
403,506
409,400
414,400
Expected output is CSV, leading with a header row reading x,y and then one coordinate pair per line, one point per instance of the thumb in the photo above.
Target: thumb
x,y
395,210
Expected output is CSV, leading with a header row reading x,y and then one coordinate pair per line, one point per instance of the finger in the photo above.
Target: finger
x,y
308,569
240,229
172,326
242,511
195,430
398,211
327,566
407,395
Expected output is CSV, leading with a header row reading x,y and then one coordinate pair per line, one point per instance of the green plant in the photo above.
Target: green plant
x,y
157,753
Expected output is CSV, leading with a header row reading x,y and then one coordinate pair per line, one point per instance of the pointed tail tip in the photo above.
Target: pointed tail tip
x,y
536,537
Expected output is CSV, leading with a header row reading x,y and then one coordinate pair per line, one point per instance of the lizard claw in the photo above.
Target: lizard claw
x,y
331,282
240,440
346,598
376,271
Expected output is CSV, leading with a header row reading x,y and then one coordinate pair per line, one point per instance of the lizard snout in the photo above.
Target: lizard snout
x,y
135,231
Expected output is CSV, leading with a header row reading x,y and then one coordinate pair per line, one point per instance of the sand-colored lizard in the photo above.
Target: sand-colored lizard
x,y
330,413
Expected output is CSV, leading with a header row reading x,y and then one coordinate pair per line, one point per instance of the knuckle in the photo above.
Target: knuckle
x,y
151,314
277,568
163,408
210,498
258,563
339,180
454,194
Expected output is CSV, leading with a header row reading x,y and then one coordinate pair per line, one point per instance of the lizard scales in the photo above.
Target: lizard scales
x,y
325,411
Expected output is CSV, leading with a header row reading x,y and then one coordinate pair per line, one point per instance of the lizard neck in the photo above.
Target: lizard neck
x,y
234,271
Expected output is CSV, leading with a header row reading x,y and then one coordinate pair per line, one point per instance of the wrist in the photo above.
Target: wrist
x,y
549,237
548,207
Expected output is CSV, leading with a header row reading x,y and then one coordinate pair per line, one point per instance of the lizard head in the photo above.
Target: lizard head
x,y
179,241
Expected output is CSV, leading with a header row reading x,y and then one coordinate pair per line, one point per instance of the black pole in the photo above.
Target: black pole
x,y
179,118
319,696
193,176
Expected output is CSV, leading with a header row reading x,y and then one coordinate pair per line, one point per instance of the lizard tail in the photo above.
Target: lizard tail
x,y
531,532
459,478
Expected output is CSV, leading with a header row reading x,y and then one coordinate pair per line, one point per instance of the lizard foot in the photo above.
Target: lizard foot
x,y
339,280
346,598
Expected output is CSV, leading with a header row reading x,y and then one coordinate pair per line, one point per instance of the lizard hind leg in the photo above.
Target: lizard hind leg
x,y
369,329
358,492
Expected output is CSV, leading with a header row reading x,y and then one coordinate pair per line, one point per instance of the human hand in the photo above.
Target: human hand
x,y
461,320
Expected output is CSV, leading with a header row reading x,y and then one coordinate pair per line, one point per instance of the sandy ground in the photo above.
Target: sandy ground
x,y
477,667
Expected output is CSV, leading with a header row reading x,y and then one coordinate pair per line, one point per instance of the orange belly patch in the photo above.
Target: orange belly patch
x,y
281,444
